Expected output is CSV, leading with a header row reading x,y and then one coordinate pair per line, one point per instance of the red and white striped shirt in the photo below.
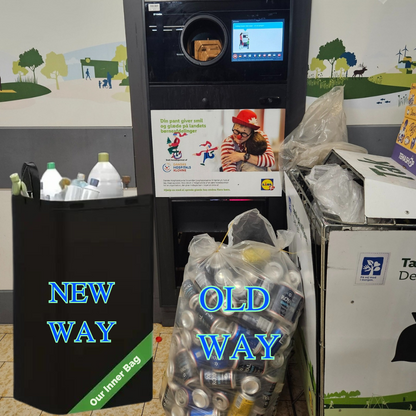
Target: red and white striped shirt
x,y
229,145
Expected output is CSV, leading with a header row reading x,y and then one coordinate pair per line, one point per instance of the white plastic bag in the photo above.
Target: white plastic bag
x,y
316,155
323,123
336,192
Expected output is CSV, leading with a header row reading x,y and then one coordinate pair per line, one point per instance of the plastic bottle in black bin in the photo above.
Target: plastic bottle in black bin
x,y
110,183
49,183
90,191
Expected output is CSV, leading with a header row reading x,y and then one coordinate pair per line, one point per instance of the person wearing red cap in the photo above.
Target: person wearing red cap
x,y
234,147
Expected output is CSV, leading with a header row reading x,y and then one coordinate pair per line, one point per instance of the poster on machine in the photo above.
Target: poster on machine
x,y
370,353
217,153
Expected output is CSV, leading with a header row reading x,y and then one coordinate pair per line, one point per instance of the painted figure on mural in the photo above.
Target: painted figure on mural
x,y
248,148
109,80
87,74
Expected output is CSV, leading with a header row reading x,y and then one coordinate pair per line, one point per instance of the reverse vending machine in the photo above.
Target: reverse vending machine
x,y
216,73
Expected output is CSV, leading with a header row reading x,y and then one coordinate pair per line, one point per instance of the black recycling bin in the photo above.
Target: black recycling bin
x,y
82,301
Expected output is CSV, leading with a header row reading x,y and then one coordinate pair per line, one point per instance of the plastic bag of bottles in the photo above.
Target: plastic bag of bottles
x,y
337,193
231,384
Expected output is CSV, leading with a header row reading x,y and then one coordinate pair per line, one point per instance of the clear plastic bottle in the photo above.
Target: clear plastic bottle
x,y
74,190
79,181
110,184
91,191
49,183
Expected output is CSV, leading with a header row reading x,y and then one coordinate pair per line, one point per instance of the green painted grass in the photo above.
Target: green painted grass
x,y
366,412
354,87
398,80
395,402
23,90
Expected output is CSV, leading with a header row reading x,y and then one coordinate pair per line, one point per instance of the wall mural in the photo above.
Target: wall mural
x,y
64,65
368,47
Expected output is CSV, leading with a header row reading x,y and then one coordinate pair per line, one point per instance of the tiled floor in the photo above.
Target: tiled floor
x,y
10,407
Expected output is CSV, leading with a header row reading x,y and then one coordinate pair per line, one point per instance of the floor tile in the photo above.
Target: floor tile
x,y
132,410
158,370
6,380
162,353
6,329
301,407
155,344
167,329
153,408
295,380
75,414
285,394
11,407
6,348
284,408
157,328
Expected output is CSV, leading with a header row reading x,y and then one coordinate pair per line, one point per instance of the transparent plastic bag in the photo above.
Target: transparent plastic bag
x,y
322,126
194,385
336,192
316,155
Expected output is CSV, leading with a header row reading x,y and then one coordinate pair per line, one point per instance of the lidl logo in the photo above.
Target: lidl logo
x,y
167,167
267,184
372,268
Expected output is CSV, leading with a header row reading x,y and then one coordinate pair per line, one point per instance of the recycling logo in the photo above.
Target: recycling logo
x,y
372,268
405,349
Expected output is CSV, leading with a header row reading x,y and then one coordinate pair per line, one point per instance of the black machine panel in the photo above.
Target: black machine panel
x,y
219,54
253,39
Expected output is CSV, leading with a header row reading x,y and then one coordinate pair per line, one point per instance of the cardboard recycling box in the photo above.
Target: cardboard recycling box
x,y
357,337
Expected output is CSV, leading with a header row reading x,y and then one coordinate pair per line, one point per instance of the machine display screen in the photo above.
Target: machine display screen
x,y
254,40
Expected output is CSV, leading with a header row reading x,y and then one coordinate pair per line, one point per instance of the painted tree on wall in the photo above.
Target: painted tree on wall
x,y
341,65
350,58
330,52
343,394
121,58
55,66
126,81
19,70
31,59
317,65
